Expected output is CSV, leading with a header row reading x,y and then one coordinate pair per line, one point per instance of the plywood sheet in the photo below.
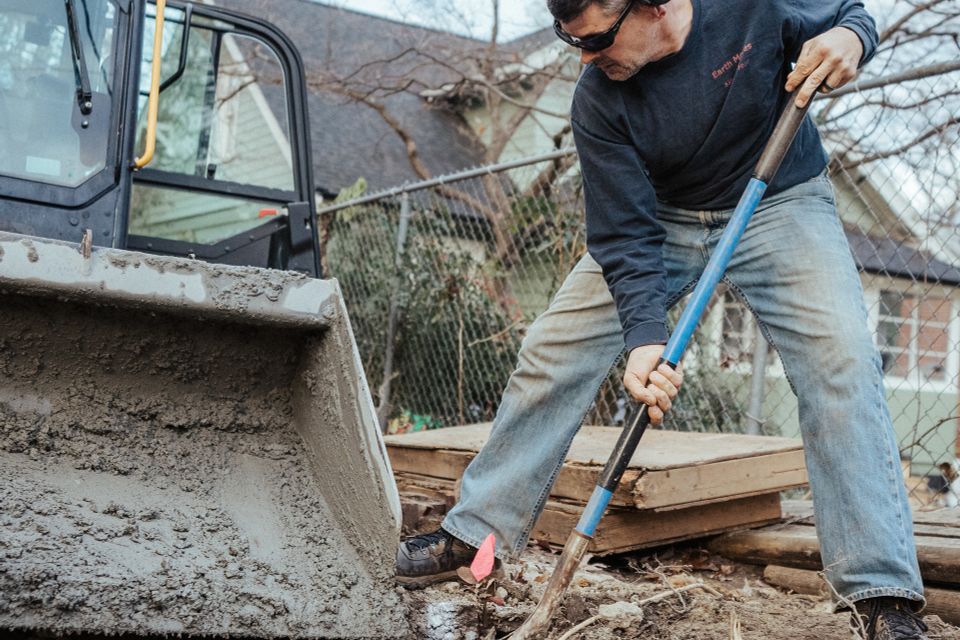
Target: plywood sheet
x,y
682,469
659,449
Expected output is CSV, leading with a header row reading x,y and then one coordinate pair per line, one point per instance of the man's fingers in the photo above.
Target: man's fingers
x,y
638,391
826,62
675,376
650,395
655,415
657,400
837,78
644,385
799,72
664,383
813,82
663,400
813,66
810,58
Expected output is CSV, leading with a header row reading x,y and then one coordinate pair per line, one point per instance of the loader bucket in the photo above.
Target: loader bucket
x,y
186,448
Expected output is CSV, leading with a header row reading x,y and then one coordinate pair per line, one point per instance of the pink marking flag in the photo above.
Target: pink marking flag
x,y
482,564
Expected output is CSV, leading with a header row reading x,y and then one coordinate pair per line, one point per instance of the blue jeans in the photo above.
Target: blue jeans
x,y
794,270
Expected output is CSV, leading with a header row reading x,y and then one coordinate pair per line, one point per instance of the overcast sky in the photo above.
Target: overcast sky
x,y
517,17
468,17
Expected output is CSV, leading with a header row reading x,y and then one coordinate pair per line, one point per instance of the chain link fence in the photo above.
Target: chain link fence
x,y
443,277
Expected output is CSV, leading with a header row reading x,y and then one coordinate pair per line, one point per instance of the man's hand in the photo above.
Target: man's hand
x,y
828,61
656,389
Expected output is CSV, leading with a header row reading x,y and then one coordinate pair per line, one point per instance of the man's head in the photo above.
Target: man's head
x,y
618,36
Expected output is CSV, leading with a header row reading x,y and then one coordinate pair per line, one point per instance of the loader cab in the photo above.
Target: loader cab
x,y
231,178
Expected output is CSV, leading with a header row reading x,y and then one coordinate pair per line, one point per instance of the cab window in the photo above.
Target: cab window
x,y
56,88
222,123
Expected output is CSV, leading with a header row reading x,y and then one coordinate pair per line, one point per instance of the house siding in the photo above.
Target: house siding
x,y
923,413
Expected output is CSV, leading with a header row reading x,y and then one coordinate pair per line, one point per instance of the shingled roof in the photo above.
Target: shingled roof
x,y
887,257
351,140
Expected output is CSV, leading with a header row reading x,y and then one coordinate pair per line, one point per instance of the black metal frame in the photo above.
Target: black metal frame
x,y
211,252
209,100
161,178
184,43
102,202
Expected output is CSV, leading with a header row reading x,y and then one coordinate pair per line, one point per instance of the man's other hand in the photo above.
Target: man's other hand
x,y
828,61
656,389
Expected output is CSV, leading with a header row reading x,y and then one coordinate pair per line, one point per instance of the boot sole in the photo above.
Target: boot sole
x,y
419,582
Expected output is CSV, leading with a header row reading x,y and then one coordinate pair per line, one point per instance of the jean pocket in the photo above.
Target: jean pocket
x,y
823,176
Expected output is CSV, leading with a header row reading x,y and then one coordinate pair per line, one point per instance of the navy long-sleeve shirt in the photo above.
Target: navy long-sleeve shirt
x,y
688,130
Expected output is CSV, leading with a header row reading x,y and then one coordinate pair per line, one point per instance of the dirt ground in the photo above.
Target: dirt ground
x,y
731,595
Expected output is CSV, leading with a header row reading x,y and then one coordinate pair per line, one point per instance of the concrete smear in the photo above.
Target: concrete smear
x,y
152,481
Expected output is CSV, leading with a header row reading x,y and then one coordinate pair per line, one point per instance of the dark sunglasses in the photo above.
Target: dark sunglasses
x,y
595,41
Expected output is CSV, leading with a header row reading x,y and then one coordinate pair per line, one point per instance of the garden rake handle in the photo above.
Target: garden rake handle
x,y
579,540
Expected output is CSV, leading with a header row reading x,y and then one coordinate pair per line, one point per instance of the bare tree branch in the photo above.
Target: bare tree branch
x,y
917,73
933,131
917,10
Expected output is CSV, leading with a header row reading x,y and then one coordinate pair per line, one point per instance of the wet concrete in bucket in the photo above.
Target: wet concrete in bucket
x,y
151,483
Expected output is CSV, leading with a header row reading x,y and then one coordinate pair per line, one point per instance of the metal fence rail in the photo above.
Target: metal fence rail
x,y
443,277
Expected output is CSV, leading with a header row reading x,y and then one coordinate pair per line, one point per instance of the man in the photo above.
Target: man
x,y
670,115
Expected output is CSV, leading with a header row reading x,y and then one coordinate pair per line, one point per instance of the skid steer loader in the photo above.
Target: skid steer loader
x,y
187,441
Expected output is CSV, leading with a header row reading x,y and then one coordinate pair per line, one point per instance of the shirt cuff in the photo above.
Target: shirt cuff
x,y
653,332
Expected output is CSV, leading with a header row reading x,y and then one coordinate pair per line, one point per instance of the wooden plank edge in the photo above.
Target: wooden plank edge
x,y
940,602
624,530
420,441
928,530
941,523
797,546
706,483
573,482
704,503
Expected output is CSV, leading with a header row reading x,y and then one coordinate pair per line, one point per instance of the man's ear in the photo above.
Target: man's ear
x,y
654,12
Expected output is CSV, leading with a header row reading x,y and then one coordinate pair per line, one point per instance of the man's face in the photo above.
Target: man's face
x,y
633,47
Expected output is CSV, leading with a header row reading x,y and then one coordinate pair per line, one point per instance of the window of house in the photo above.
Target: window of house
x,y
913,335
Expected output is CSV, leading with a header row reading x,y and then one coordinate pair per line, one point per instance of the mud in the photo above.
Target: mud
x,y
165,474
454,611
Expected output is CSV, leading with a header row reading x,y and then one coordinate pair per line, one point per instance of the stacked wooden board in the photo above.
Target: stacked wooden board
x,y
792,553
794,542
678,485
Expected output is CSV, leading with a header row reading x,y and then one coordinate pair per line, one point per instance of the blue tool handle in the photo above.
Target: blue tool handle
x,y
770,160
713,272
779,142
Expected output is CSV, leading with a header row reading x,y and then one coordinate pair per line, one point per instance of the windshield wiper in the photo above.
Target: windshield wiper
x,y
84,94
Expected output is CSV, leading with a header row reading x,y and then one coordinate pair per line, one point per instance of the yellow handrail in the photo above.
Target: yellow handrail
x,y
154,100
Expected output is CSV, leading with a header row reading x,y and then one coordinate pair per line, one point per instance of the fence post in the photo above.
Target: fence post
x,y
383,409
755,407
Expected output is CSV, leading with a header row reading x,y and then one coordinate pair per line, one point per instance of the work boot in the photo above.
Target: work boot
x,y
889,619
433,557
